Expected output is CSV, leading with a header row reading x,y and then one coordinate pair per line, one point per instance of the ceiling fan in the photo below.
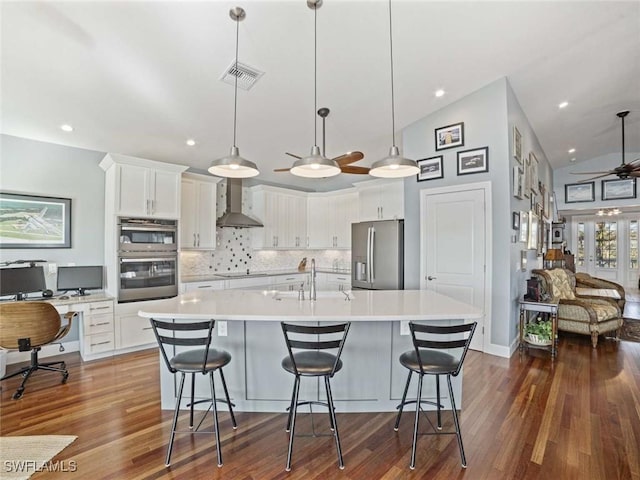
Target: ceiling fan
x,y
624,170
343,161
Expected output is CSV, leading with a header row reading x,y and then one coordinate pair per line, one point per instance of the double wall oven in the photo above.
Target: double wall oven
x,y
147,259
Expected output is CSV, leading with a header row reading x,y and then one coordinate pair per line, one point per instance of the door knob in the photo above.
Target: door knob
x,y
431,278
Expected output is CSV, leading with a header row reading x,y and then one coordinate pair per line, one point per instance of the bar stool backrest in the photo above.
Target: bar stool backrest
x,y
426,336
183,334
326,338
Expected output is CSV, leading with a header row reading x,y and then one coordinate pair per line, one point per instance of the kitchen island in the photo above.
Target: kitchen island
x,y
372,379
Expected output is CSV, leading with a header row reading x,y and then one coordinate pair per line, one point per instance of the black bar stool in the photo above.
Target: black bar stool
x,y
427,359
205,360
313,361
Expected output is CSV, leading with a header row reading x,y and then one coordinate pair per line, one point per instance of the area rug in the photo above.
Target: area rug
x,y
630,330
25,455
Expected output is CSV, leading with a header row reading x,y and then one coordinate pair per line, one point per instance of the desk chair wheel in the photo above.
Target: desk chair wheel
x,y
65,376
18,394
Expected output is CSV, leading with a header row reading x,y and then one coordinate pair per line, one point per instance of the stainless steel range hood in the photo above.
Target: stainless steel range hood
x,y
233,216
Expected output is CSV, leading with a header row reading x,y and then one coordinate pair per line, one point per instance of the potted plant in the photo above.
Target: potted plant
x,y
539,332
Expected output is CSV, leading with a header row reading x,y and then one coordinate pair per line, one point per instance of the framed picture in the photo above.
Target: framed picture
x,y
30,221
473,161
618,189
515,220
579,192
524,227
518,182
533,166
532,243
517,144
450,136
523,260
430,168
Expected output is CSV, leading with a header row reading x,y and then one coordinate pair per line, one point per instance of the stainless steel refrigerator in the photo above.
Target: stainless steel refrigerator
x,y
377,255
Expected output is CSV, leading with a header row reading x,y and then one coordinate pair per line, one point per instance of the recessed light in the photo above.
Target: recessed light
x,y
563,105
66,128
439,93
191,142
572,150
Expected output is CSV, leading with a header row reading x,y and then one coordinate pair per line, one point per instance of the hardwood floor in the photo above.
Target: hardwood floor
x,y
522,418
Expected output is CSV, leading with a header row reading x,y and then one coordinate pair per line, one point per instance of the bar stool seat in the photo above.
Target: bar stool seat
x,y
427,358
204,360
312,360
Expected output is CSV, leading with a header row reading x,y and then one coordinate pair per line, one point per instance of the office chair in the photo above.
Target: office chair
x,y
28,326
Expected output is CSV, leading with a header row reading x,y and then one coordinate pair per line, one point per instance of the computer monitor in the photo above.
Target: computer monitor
x,y
80,279
20,281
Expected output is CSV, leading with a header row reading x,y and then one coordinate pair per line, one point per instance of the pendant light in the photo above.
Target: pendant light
x,y
233,165
394,165
316,165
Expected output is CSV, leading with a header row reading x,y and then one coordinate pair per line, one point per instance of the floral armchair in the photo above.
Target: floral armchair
x,y
585,314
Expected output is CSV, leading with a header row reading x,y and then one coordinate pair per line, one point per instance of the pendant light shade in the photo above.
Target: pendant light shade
x,y
394,165
315,165
233,165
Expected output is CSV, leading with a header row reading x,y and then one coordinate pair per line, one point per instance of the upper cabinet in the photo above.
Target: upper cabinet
x,y
142,188
381,199
198,212
329,218
284,215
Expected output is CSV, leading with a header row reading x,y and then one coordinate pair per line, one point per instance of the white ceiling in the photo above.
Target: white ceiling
x,y
139,78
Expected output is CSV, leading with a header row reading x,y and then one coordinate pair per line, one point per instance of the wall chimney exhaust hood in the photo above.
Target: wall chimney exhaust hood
x,y
233,216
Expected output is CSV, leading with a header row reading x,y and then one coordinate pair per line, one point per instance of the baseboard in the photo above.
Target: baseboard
x,y
47,351
501,350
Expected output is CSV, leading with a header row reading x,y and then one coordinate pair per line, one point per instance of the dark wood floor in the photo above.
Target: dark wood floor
x,y
522,418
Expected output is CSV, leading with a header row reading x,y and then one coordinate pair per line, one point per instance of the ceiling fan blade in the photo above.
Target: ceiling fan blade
x,y
294,156
356,170
609,172
633,161
597,176
349,157
281,169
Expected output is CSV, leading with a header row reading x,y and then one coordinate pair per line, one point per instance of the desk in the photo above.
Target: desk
x,y
539,307
96,332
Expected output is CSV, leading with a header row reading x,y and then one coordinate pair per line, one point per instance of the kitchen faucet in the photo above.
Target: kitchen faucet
x,y
312,285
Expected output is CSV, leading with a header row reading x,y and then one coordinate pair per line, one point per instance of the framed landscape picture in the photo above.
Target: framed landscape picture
x,y
579,192
30,221
473,161
450,136
619,189
430,168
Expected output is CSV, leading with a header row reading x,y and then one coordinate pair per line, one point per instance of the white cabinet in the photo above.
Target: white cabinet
x,y
142,188
338,281
381,199
292,282
211,285
131,331
284,215
198,212
96,330
329,219
250,283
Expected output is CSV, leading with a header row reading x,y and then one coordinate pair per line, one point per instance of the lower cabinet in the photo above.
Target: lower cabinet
x,y
96,330
130,329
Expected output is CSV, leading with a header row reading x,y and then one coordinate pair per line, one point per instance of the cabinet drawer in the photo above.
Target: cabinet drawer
x,y
100,342
100,307
102,323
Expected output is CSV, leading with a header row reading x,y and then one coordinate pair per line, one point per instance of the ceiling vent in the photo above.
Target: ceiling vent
x,y
247,75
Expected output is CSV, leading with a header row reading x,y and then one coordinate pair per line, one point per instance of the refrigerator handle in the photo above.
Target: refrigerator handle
x,y
373,247
368,255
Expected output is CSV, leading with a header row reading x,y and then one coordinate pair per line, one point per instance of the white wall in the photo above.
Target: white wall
x,y
38,168
484,114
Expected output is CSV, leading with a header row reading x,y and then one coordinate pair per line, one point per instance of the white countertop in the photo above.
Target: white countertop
x,y
365,305
267,273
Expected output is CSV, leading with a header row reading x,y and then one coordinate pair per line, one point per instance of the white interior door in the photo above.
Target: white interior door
x,y
453,250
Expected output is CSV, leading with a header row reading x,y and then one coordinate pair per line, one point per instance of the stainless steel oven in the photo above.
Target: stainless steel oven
x,y
147,259
147,235
147,277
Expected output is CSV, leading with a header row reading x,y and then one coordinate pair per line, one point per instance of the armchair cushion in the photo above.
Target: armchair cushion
x,y
600,287
561,287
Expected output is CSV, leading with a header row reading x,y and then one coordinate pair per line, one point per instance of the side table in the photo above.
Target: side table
x,y
526,307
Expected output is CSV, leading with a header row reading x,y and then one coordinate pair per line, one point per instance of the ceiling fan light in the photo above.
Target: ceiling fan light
x,y
394,166
233,166
315,165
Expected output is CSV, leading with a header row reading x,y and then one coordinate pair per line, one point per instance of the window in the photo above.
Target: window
x,y
633,244
606,244
580,253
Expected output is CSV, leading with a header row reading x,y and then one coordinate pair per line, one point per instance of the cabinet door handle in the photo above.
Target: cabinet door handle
x,y
98,324
99,308
147,328
194,239
198,240
101,343
205,286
